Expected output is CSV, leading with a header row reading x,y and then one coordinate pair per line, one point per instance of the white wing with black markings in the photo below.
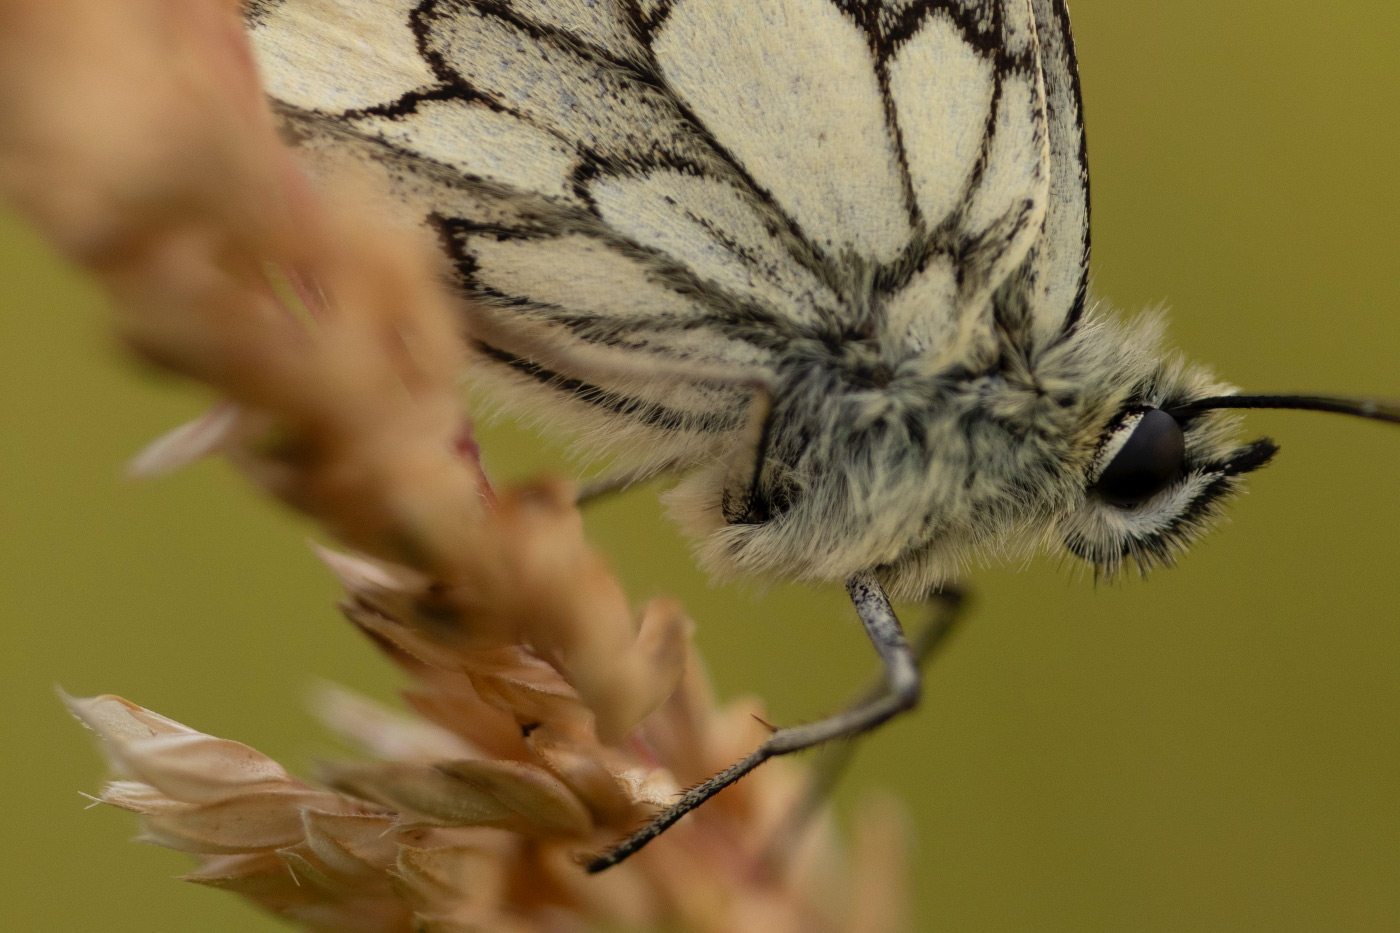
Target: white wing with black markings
x,y
635,190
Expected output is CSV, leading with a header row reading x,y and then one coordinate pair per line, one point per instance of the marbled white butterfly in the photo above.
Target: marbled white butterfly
x,y
826,260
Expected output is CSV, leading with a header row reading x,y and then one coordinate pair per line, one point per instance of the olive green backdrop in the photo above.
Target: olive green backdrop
x,y
1215,749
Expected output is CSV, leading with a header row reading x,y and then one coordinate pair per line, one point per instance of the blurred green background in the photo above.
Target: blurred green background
x,y
1215,749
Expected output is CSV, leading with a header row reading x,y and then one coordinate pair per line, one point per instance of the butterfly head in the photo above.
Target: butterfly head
x,y
1166,460
1151,466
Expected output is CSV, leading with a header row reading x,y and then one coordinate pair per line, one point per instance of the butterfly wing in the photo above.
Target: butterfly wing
x,y
641,194
1059,267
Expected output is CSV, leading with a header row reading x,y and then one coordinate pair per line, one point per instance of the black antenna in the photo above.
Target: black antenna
x,y
1373,409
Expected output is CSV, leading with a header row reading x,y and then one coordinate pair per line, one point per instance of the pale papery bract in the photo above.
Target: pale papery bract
x,y
434,831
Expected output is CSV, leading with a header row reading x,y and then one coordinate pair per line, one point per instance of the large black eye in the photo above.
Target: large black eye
x,y
1149,459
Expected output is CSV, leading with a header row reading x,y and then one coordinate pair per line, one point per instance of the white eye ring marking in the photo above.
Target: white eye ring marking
x,y
1112,444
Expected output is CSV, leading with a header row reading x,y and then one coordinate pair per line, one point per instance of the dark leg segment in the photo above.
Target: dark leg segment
x,y
836,756
899,692
595,489
611,484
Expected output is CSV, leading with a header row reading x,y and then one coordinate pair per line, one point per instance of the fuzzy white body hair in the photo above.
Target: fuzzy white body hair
x,y
827,258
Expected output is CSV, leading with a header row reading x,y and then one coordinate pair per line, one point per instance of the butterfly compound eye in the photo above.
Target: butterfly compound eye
x,y
1150,458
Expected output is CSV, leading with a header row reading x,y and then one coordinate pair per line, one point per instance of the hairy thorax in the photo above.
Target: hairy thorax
x,y
866,461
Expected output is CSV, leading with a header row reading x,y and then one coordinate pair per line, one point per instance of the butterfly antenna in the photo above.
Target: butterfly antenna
x,y
1372,409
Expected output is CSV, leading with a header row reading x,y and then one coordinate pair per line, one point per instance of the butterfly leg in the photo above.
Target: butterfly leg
x,y
604,486
610,484
948,604
898,692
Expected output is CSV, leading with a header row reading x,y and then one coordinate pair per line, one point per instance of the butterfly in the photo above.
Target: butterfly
x,y
826,261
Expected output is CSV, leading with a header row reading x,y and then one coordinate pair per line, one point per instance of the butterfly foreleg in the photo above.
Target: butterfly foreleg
x,y
899,692
610,484
948,605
